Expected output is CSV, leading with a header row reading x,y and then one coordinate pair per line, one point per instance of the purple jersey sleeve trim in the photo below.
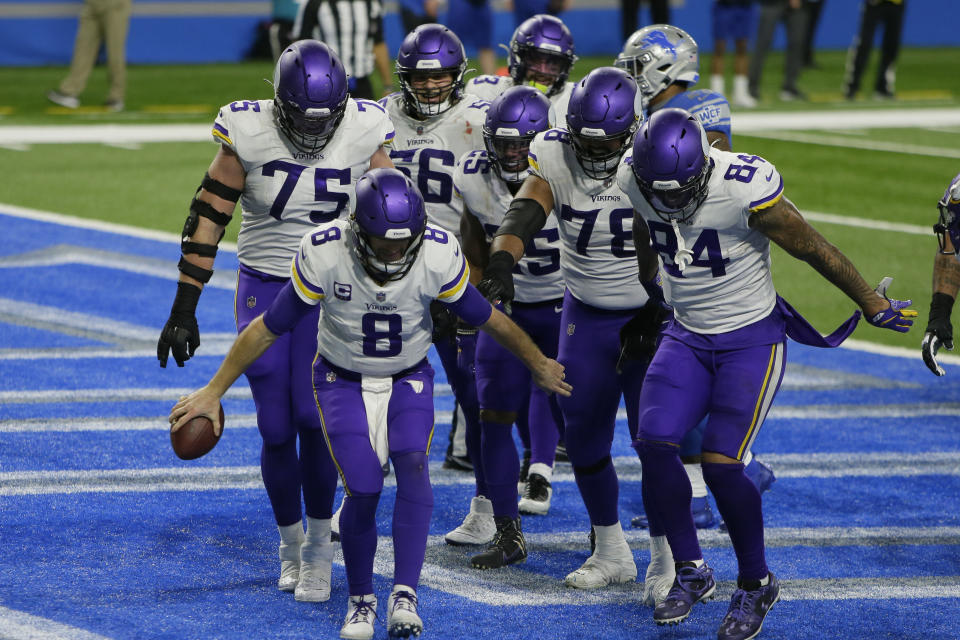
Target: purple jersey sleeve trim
x,y
472,307
285,311
454,285
769,200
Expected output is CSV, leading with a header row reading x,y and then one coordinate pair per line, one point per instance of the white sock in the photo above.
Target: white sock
x,y
542,469
318,531
747,459
697,484
292,534
740,86
660,550
609,538
716,82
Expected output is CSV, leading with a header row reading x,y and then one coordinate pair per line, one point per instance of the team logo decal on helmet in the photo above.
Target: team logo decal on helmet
x,y
659,55
541,54
603,114
310,94
513,119
429,55
671,163
388,223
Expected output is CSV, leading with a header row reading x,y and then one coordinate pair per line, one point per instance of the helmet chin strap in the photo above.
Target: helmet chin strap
x,y
684,257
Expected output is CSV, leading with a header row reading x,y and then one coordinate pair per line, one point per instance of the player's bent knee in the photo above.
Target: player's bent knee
x,y
718,458
656,448
593,468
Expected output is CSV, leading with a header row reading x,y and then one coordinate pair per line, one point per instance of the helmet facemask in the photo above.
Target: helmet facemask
x,y
431,92
599,153
308,130
673,201
392,257
541,69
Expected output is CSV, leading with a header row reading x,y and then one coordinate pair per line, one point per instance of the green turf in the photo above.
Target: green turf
x,y
151,186
192,93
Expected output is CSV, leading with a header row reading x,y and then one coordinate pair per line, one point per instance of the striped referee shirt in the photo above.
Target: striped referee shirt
x,y
349,27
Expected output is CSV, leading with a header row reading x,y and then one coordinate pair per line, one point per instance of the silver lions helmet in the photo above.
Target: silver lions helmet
x,y
657,56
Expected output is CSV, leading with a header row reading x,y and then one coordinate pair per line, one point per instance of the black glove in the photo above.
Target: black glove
x,y
939,331
444,323
497,283
640,336
181,335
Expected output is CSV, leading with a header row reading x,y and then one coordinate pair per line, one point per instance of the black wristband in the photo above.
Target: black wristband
x,y
185,303
941,305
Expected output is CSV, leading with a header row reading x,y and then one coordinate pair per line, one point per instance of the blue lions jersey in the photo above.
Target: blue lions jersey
x,y
710,107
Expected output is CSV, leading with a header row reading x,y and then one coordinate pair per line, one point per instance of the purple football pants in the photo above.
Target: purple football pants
x,y
283,395
736,388
589,349
410,430
504,384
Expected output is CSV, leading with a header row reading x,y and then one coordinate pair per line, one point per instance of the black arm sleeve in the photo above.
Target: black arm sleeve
x,y
523,219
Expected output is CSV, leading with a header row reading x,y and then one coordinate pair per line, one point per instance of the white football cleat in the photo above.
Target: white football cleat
x,y
660,572
316,565
602,570
477,528
361,612
402,618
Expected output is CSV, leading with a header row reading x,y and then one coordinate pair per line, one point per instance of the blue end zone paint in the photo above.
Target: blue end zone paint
x,y
186,563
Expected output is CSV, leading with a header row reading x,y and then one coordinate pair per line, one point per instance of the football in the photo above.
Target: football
x,y
196,437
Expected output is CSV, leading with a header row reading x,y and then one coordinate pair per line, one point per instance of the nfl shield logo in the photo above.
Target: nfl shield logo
x,y
571,328
420,130
331,376
251,302
381,296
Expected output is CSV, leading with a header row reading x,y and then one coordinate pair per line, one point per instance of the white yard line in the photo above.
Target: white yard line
x,y
192,478
17,625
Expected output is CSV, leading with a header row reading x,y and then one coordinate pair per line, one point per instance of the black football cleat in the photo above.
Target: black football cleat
x,y
508,546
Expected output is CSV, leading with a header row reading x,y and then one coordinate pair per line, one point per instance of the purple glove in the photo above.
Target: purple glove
x,y
896,317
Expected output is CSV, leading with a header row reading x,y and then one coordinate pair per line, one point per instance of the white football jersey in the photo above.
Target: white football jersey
x,y
536,277
489,87
598,262
728,284
366,327
427,151
288,191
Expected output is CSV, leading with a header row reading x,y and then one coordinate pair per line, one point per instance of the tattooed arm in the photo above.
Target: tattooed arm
x,y
783,224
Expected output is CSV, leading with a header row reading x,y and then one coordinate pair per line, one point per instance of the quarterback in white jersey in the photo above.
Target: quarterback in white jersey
x,y
292,162
709,216
573,177
541,55
375,276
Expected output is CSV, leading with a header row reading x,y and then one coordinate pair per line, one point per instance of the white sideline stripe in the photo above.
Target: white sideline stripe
x,y
824,120
944,463
96,225
863,223
17,625
848,143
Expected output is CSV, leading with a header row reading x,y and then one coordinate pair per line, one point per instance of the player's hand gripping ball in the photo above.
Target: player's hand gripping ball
x,y
196,437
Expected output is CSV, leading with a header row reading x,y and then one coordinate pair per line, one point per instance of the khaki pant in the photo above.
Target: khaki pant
x,y
100,21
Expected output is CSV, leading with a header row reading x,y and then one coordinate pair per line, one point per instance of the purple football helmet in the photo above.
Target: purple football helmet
x,y
431,50
603,113
541,47
310,94
514,118
949,224
388,223
671,163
